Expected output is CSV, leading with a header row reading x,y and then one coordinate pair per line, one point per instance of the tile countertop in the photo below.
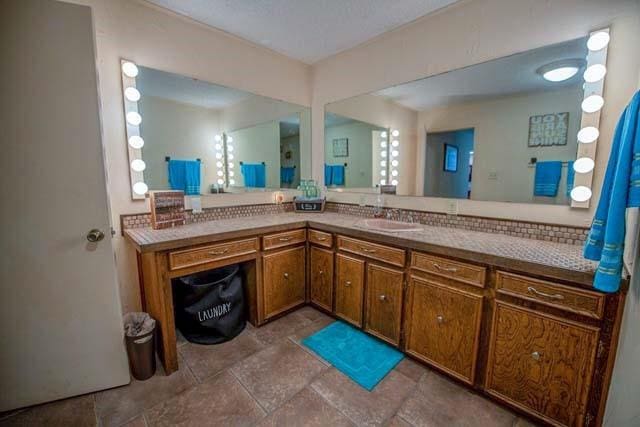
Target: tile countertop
x,y
547,259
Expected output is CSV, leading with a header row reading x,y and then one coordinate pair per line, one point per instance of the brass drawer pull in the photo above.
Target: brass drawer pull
x,y
321,239
321,272
221,252
536,356
440,319
446,269
286,275
383,297
347,283
534,291
369,251
285,239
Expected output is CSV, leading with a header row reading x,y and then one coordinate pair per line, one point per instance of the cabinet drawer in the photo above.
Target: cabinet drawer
x,y
321,284
384,303
389,255
541,364
349,289
284,280
443,327
462,272
287,238
566,298
205,254
320,238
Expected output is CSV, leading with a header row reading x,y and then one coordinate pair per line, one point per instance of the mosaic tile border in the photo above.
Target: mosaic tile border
x,y
529,230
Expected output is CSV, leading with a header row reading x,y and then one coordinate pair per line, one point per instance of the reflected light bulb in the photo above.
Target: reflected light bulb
x,y
395,132
581,193
598,41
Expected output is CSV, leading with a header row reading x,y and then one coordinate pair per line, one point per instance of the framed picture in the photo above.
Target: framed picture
x,y
546,130
341,147
287,155
450,163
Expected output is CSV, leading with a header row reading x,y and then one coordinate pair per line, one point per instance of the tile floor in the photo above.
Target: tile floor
x,y
264,377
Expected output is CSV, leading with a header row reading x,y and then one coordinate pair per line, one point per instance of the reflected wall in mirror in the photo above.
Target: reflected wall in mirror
x,y
504,130
205,138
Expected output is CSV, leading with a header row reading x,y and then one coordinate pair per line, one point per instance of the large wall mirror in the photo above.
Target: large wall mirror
x,y
202,138
519,129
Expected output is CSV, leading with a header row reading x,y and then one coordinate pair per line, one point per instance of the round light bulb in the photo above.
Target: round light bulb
x,y
383,172
230,165
136,142
217,138
592,103
588,134
394,172
383,153
229,148
218,155
218,147
383,181
383,163
383,144
395,153
133,118
229,138
581,193
598,41
383,134
394,182
221,181
219,164
138,165
583,165
230,156
594,73
129,69
394,163
140,188
395,143
220,173
132,94
395,132
560,74
231,173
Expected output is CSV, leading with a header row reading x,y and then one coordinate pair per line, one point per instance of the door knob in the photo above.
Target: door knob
x,y
95,235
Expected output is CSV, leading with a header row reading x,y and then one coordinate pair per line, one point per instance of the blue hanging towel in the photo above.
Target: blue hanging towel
x,y
254,174
620,189
571,174
327,174
337,175
287,174
185,175
547,178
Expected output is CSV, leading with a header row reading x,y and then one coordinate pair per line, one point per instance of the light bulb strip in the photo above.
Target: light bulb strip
x,y
133,140
589,124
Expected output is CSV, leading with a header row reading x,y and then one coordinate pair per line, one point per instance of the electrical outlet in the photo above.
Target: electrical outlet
x,y
452,207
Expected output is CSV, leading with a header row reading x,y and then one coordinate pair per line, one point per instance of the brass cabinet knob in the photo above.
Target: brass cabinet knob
x,y
440,319
95,235
383,297
347,283
535,356
286,275
321,272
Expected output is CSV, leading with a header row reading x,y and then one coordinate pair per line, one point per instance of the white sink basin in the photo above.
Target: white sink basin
x,y
388,225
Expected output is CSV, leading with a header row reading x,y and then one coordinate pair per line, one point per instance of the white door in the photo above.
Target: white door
x,y
60,320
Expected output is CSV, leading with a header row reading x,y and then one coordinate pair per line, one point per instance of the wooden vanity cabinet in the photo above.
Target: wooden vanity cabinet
x,y
284,280
443,326
321,283
540,363
384,303
349,289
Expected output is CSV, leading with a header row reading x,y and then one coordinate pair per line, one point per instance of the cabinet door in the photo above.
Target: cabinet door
x,y
283,280
321,292
443,327
384,302
349,288
541,363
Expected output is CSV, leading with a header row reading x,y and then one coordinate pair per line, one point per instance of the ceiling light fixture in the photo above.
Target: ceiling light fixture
x,y
559,71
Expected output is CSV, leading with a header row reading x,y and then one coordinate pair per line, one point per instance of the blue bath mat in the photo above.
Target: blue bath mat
x,y
364,359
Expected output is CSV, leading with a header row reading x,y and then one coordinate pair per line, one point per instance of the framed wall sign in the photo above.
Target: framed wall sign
x,y
450,163
546,130
341,147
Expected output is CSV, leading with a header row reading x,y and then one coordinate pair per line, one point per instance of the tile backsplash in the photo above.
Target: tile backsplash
x,y
530,230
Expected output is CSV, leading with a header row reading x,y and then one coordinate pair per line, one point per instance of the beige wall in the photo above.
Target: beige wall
x,y
165,41
477,31
358,171
256,144
501,130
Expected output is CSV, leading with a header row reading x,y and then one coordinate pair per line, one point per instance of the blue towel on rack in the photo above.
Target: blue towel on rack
x,y
337,174
185,175
254,174
620,190
547,178
327,174
571,174
287,174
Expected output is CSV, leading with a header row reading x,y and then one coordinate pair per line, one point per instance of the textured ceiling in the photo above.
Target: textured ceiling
x,y
308,30
501,77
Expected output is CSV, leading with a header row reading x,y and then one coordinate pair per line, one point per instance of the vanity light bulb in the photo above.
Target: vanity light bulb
x,y
394,182
136,142
395,143
218,147
230,165
232,181
133,118
132,94
218,155
230,156
383,144
588,134
383,172
129,69
383,163
221,181
583,165
383,181
217,138
229,138
395,133
598,41
231,173
383,135
592,103
138,165
219,164
595,73
581,193
395,153
229,148
140,188
394,173
394,163
383,153
220,173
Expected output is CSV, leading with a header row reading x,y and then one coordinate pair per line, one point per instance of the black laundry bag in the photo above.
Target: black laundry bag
x,y
209,306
